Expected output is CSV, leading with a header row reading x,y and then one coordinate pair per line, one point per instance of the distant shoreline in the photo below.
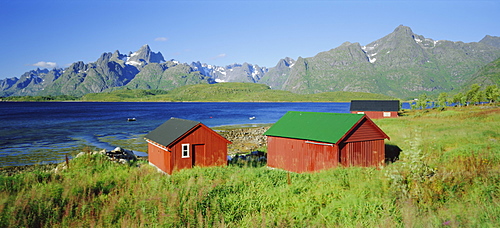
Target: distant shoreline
x,y
186,101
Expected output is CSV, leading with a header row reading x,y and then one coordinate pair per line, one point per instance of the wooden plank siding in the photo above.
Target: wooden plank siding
x,y
159,156
299,155
377,114
322,156
362,153
206,148
310,142
365,130
363,145
213,154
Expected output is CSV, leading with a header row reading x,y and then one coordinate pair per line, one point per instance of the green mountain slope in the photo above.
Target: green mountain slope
x,y
81,78
493,41
487,75
167,76
401,64
230,91
277,75
30,83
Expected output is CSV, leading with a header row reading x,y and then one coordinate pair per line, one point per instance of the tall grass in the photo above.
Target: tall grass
x,y
447,175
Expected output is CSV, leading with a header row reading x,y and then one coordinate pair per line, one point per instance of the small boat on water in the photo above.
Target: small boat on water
x,y
252,118
131,119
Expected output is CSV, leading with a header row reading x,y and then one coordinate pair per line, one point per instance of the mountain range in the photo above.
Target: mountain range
x,y
401,64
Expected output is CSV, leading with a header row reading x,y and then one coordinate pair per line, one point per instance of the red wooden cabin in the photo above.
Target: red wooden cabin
x,y
313,141
375,109
181,144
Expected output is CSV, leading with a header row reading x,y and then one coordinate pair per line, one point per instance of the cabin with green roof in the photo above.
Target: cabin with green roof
x,y
313,141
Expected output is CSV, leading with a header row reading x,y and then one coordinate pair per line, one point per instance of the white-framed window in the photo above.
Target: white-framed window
x,y
361,112
185,150
387,114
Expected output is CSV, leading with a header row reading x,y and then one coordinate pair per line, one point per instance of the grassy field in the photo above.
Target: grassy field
x,y
448,175
231,92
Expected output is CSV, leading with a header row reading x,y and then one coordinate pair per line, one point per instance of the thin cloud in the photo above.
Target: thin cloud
x,y
161,39
219,56
44,64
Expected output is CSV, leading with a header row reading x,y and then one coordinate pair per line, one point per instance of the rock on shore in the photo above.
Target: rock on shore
x,y
245,140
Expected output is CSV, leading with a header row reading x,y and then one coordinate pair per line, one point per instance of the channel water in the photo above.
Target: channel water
x,y
44,132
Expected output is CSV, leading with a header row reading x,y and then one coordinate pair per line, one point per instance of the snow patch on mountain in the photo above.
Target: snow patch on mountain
x,y
133,63
366,49
370,56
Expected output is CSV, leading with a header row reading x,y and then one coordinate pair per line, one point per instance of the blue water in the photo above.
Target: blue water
x,y
44,132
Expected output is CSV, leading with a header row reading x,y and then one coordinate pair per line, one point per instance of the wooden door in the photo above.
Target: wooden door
x,y
198,154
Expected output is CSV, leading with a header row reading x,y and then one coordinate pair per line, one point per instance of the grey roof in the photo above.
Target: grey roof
x,y
375,105
171,130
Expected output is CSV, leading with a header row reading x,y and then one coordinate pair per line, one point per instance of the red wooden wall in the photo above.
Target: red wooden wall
x,y
159,156
207,148
363,146
299,155
363,131
376,114
362,153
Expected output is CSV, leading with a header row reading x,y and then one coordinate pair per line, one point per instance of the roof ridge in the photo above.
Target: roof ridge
x,y
175,118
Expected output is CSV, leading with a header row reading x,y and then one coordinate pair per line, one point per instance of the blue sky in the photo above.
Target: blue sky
x,y
60,32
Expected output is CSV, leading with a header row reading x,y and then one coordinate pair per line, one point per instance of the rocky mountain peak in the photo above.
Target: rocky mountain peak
x,y
401,29
285,63
77,66
144,50
105,57
401,64
491,40
347,43
144,56
400,34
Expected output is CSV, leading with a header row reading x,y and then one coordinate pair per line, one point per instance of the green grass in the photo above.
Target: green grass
x,y
40,98
231,92
447,175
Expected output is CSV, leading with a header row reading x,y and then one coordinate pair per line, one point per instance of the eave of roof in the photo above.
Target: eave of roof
x,y
366,120
171,130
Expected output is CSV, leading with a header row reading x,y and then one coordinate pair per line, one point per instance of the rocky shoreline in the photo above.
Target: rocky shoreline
x,y
244,140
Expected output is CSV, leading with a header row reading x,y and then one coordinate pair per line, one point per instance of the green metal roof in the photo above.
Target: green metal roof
x,y
317,126
171,130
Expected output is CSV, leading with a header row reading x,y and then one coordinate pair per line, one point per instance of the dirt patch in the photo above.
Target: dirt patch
x,y
493,110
